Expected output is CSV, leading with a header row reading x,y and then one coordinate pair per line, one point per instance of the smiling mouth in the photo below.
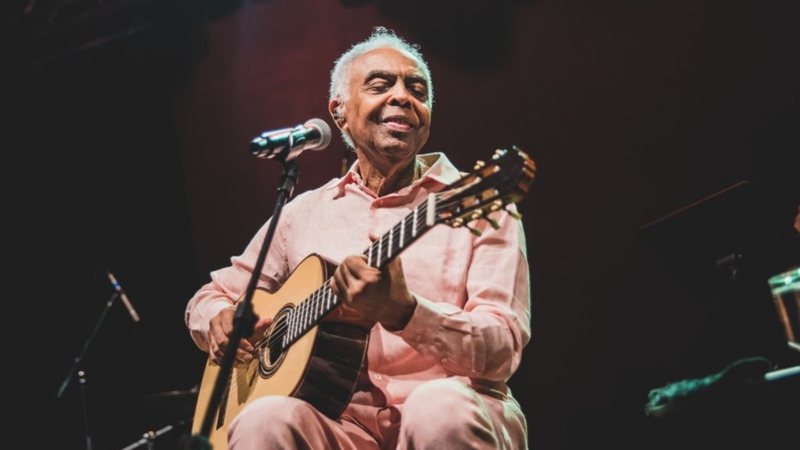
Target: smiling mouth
x,y
400,123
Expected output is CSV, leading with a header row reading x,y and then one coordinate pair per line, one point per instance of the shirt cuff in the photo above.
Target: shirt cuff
x,y
426,320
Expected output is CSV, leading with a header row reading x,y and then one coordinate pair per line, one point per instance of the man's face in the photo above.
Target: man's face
x,y
387,110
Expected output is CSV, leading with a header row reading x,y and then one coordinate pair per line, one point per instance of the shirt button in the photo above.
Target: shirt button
x,y
378,376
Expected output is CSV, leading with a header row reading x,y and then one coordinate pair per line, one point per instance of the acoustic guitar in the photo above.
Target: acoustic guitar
x,y
304,356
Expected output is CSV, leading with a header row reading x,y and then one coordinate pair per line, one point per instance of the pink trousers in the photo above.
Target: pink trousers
x,y
440,414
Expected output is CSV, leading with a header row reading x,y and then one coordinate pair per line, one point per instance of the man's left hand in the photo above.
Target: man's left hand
x,y
378,295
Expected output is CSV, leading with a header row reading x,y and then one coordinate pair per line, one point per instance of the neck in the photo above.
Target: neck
x,y
388,178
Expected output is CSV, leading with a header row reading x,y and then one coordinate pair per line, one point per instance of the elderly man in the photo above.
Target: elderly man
x,y
450,321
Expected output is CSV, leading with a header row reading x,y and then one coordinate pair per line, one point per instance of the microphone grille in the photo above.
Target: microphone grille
x,y
325,133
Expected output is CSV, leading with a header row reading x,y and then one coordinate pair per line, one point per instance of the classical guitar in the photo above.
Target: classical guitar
x,y
304,356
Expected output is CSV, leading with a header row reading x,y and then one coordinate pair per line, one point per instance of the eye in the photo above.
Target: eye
x,y
378,86
418,90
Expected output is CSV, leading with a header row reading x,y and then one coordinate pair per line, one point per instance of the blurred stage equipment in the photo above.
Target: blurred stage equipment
x,y
78,360
172,407
743,377
726,249
122,296
150,438
785,289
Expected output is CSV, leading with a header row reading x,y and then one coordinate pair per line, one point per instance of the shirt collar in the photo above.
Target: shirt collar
x,y
435,167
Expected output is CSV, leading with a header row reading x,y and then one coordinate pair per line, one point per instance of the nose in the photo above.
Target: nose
x,y
399,95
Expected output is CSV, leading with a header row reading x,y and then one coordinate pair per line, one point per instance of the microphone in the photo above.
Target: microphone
x,y
122,295
288,143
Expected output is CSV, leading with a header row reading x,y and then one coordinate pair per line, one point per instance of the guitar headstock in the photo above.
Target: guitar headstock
x,y
490,187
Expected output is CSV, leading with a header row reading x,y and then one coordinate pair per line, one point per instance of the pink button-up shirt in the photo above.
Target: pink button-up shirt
x,y
472,317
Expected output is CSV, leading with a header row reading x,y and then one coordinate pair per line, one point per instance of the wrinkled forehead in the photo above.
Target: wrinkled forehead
x,y
386,59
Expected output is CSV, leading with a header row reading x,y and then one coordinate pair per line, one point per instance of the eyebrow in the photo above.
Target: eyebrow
x,y
391,75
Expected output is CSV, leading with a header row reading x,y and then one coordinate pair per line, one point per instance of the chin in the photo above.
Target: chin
x,y
397,148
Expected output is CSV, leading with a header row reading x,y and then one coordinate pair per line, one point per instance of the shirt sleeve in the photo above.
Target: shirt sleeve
x,y
228,284
484,338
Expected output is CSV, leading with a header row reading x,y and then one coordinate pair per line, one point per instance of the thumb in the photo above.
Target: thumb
x,y
395,268
261,327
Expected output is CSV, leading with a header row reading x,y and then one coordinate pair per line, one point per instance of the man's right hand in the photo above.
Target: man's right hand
x,y
219,331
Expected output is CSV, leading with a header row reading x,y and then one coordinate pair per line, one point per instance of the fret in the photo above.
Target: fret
x,y
327,297
380,252
402,232
391,232
430,216
323,300
292,323
311,307
318,303
414,224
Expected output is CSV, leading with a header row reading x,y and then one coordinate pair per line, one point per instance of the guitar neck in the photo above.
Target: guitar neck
x,y
383,250
312,309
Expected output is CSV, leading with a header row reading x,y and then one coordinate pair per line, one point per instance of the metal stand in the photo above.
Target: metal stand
x,y
75,369
149,438
244,319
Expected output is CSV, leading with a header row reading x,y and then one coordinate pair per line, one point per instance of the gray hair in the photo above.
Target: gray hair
x,y
380,38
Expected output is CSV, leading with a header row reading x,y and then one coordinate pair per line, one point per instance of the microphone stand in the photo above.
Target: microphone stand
x,y
244,319
77,362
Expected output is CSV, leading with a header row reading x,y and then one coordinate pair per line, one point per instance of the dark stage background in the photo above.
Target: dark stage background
x,y
130,121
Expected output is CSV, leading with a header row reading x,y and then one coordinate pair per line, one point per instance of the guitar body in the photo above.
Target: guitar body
x,y
321,367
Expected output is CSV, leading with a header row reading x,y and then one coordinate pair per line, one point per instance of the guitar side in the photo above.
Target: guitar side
x,y
321,367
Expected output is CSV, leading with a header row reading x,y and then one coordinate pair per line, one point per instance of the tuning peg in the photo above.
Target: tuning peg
x,y
493,223
498,153
514,214
476,215
496,205
479,165
457,222
474,231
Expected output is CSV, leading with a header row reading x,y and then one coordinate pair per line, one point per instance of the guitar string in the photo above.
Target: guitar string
x,y
279,331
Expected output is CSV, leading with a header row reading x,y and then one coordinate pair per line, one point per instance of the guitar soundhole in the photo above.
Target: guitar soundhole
x,y
271,355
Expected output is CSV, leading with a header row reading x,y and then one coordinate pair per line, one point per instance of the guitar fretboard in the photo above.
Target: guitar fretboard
x,y
313,308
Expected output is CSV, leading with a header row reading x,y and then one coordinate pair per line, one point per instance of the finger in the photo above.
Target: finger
x,y
353,283
220,338
260,330
217,353
333,286
263,324
395,268
245,346
212,350
243,357
340,280
227,321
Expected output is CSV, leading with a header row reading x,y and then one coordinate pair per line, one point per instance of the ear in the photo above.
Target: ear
x,y
336,110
